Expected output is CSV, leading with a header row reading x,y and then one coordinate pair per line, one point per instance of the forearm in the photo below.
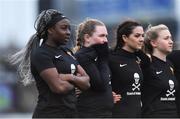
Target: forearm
x,y
65,87
60,86
55,82
104,73
87,60
82,82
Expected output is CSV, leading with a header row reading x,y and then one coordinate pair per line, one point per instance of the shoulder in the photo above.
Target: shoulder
x,y
170,63
85,51
113,53
114,57
174,56
41,54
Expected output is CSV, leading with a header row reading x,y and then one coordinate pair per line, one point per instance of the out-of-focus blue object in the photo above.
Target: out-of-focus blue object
x,y
6,97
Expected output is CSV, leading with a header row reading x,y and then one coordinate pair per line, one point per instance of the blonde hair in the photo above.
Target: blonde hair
x,y
152,33
86,27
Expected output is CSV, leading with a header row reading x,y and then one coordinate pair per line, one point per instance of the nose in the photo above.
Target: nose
x,y
105,40
68,32
142,39
171,41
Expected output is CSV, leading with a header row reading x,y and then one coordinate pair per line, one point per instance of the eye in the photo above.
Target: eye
x,y
167,38
65,27
103,35
142,35
137,35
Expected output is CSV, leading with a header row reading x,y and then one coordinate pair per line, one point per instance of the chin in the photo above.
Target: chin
x,y
167,52
139,48
62,43
170,51
65,41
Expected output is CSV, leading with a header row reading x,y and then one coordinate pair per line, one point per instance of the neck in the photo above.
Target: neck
x,y
159,55
87,45
128,49
51,43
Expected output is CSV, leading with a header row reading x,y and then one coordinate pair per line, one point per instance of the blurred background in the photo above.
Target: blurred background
x,y
17,25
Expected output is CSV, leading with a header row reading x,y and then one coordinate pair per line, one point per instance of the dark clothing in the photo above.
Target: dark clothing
x,y
51,104
97,101
174,57
158,90
126,81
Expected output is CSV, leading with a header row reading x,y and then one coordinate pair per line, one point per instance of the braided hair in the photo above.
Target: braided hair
x,y
45,20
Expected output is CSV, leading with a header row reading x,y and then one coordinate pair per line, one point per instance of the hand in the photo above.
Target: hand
x,y
102,50
77,91
66,77
116,97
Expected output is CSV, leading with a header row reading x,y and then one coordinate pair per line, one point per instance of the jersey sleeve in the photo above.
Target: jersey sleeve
x,y
42,61
86,60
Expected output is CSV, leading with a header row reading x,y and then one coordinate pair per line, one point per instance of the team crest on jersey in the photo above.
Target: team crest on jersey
x,y
170,96
138,60
135,86
172,70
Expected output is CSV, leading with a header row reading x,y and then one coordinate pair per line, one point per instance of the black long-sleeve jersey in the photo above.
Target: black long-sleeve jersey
x,y
158,90
126,81
51,104
97,101
174,57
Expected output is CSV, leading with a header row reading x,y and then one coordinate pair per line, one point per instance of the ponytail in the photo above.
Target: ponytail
x,y
45,19
22,59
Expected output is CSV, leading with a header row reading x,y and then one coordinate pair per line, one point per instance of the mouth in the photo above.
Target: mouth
x,y
141,44
67,37
66,40
171,46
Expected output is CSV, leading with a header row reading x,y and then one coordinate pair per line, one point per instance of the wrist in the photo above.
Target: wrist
x,y
73,77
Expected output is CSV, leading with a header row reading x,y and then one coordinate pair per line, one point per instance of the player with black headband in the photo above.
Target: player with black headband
x,y
125,68
53,67
160,85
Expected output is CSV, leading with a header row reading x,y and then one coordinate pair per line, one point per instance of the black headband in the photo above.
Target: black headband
x,y
55,19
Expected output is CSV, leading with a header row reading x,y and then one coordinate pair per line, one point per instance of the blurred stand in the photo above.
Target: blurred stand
x,y
15,99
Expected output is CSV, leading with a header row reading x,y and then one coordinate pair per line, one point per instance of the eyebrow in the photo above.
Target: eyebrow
x,y
138,33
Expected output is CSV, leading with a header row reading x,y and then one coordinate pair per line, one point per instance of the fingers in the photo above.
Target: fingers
x,y
78,74
116,97
77,91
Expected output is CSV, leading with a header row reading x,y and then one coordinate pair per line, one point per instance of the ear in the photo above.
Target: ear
x,y
154,43
50,30
86,38
124,37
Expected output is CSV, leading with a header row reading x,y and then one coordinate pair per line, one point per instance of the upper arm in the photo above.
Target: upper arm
x,y
42,61
44,65
54,81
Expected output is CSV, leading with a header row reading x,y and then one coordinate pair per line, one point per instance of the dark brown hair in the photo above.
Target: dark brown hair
x,y
124,28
